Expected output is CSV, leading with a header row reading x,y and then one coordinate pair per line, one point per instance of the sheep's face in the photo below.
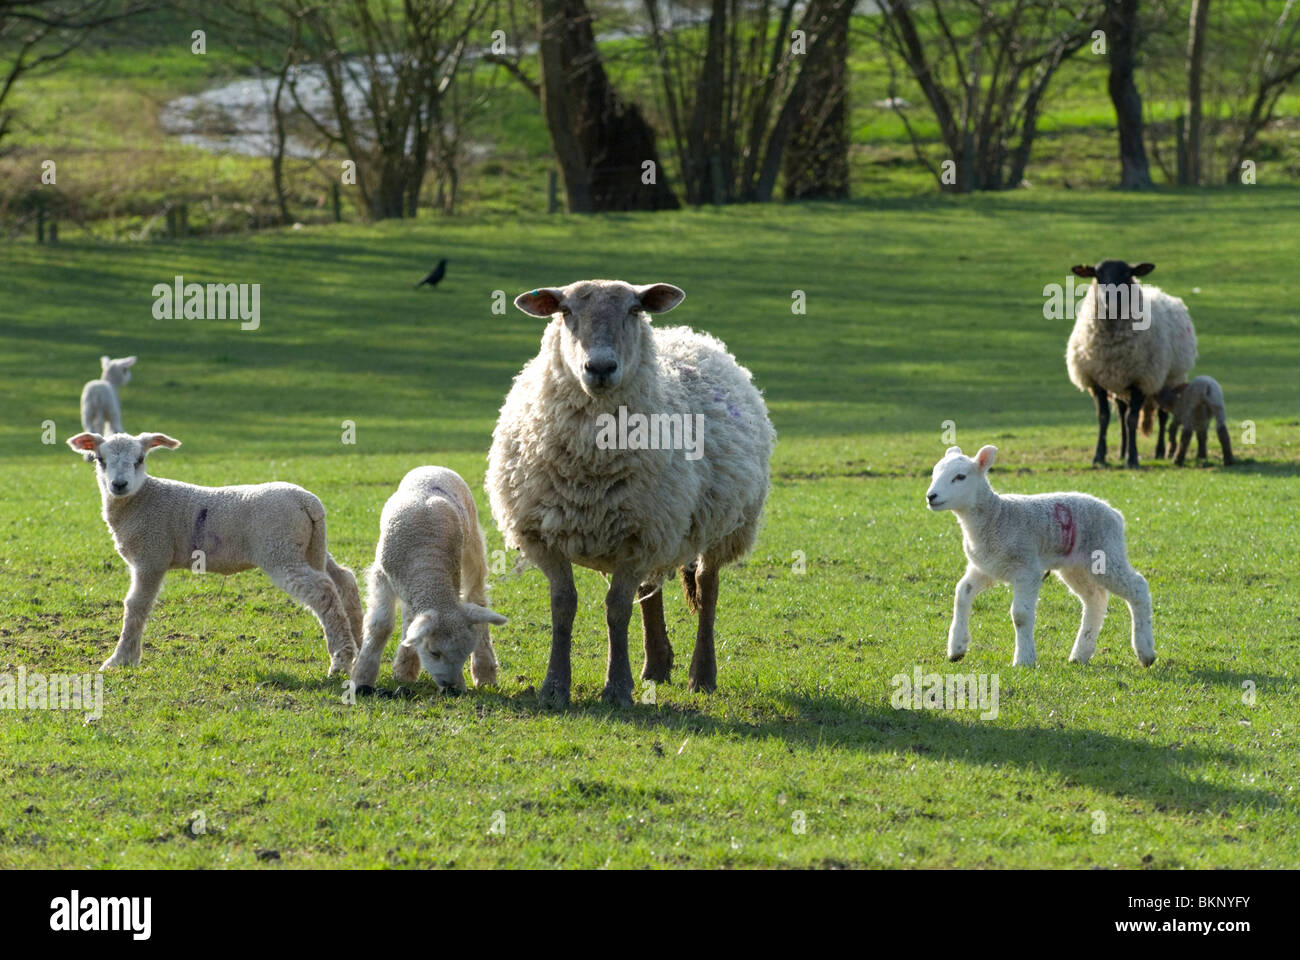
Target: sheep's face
x,y
605,326
1118,293
957,479
444,639
119,460
117,372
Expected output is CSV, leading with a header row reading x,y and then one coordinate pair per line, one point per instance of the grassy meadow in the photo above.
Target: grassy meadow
x,y
228,742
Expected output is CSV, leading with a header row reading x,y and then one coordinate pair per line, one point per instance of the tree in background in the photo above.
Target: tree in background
x,y
1195,60
1275,67
984,74
1123,37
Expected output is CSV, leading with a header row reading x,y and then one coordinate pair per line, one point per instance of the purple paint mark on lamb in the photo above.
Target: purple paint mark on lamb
x,y
200,535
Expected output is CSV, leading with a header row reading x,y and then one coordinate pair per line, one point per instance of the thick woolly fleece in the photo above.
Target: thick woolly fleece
x,y
552,486
1113,355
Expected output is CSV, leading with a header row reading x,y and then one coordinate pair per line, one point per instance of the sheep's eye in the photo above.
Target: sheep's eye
x,y
634,309
565,311
436,654
960,476
99,460
140,462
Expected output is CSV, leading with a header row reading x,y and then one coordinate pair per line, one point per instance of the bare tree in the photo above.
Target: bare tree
x,y
36,34
1195,59
1122,32
984,76
1275,67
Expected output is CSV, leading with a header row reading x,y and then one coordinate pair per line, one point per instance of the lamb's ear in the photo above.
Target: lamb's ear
x,y
479,614
85,442
151,440
128,362
951,451
1142,269
659,297
1083,270
104,361
984,459
417,625
542,302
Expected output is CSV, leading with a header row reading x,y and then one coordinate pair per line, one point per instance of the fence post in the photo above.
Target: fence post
x,y
552,191
338,204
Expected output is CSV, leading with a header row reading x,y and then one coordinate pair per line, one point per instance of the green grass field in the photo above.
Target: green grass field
x,y
228,740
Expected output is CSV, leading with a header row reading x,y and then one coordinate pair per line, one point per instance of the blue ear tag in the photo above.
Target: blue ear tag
x,y
534,293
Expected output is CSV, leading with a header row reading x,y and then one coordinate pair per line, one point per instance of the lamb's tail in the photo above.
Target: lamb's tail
x,y
690,588
1148,416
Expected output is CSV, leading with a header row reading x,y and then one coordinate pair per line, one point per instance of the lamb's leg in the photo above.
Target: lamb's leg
x,y
658,651
483,661
1225,442
1185,444
1024,605
968,587
381,607
406,662
618,612
1093,597
1102,400
1135,402
135,611
314,589
1201,436
346,583
1123,580
1160,436
564,604
704,662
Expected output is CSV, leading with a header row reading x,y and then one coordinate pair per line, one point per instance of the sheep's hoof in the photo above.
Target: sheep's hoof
x,y
616,695
554,696
365,690
1147,661
954,657
702,686
657,672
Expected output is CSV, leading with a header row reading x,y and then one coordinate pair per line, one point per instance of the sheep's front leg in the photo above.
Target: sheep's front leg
x,y
564,605
378,628
1184,444
1202,434
483,661
1102,400
1225,442
704,661
145,584
1024,605
968,587
658,651
618,611
1136,400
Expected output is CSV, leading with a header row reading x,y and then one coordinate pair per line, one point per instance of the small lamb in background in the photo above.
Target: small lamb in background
x,y
101,407
160,525
432,556
1192,405
1017,539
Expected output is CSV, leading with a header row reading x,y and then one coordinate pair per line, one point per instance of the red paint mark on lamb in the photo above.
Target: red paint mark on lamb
x,y
1069,532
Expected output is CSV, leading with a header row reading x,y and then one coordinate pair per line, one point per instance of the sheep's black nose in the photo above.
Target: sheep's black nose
x,y
600,368
930,497
119,486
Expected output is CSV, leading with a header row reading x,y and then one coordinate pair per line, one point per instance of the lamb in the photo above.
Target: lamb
x,y
1018,539
635,451
1130,340
432,556
101,409
160,525
1192,405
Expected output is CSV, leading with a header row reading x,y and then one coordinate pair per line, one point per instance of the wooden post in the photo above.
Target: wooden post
x,y
54,232
1180,133
552,191
184,223
715,174
338,203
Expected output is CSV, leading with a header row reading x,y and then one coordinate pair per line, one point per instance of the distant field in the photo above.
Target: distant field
x,y
918,312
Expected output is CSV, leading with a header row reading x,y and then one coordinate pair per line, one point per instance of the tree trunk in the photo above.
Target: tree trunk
x,y
1195,58
1122,32
601,142
816,162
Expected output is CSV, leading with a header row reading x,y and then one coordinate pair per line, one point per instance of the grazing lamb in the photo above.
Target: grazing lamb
x,y
432,556
101,409
1130,340
1192,406
575,476
160,525
1018,539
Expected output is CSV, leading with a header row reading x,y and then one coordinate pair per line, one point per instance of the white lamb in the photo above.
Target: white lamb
x,y
160,525
432,556
1018,539
632,450
1130,340
1192,406
101,408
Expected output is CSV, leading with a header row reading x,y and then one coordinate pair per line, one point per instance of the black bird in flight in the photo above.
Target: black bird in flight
x,y
435,274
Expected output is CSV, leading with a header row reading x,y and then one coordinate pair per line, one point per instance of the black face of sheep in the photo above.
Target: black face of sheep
x,y
1118,293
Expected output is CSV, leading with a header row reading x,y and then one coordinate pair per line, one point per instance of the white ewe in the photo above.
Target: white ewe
x,y
432,556
632,450
1018,539
101,408
1130,340
160,525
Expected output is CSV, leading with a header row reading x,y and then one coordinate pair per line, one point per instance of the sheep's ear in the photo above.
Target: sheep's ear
x,y
984,459
151,440
85,442
542,302
479,614
659,297
105,360
951,451
1142,269
1180,388
128,362
1083,270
